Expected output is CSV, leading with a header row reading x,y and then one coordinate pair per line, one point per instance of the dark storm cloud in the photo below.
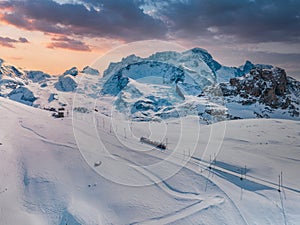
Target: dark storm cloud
x,y
68,43
245,20
116,19
9,42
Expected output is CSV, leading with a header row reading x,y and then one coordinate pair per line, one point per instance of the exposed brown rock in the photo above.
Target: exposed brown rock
x,y
266,85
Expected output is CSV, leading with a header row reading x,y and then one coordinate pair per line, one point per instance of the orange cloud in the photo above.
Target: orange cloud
x,y
9,42
68,43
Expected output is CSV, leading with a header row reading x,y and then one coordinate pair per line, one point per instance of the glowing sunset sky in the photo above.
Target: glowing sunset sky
x,y
53,35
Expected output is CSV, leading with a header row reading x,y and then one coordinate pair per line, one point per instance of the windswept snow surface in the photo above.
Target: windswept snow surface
x,y
46,180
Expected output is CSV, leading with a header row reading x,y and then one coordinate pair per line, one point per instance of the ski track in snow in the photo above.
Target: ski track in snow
x,y
193,165
280,207
44,139
31,130
185,212
172,217
201,204
164,185
190,166
205,165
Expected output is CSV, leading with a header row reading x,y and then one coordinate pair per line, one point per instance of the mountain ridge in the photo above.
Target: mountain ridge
x,y
164,85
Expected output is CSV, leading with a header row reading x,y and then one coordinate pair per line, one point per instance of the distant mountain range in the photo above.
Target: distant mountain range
x,y
163,85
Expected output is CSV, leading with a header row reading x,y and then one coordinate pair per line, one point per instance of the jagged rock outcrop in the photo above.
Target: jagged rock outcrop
x,y
73,72
37,76
89,70
269,87
66,83
23,95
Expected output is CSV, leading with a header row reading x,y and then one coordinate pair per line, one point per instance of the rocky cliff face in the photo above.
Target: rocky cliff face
x,y
269,87
202,87
66,83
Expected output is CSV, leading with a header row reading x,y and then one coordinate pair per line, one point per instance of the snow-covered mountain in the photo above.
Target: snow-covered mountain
x,y
164,85
173,84
36,88
92,168
197,63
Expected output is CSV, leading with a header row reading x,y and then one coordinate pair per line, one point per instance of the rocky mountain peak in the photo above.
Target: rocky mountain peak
x,y
205,56
73,71
90,70
270,87
166,85
248,66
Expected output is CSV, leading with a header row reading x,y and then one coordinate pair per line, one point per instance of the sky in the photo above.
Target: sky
x,y
54,35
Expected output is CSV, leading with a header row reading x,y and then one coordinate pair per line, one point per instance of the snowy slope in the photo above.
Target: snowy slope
x,y
49,176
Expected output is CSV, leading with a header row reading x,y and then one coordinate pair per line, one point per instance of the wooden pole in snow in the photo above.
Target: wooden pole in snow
x,y
241,174
279,183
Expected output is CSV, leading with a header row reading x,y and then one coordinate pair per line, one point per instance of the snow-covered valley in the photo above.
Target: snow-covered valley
x,y
47,176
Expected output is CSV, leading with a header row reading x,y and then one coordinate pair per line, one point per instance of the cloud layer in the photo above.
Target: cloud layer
x,y
117,19
264,31
68,43
9,42
244,20
226,21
